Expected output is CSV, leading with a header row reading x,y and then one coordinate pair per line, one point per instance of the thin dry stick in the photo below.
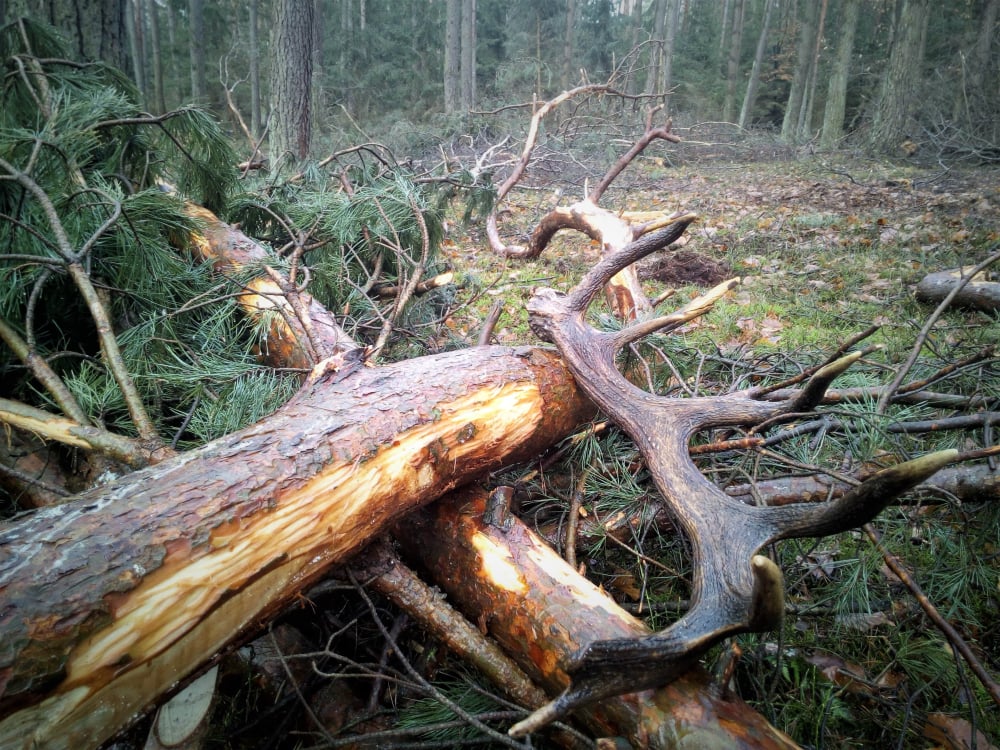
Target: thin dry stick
x,y
956,640
887,394
471,720
105,332
491,322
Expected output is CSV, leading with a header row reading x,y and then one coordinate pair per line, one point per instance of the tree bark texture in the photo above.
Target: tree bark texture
x,y
541,611
836,91
110,601
981,293
303,332
897,96
468,65
800,78
291,80
453,56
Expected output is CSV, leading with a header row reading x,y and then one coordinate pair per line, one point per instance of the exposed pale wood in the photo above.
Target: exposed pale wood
x,y
111,600
301,332
542,612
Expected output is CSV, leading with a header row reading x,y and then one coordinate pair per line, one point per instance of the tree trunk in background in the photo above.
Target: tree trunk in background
x,y
673,18
808,100
568,46
317,78
137,45
453,57
291,80
897,95
657,52
196,28
746,111
796,94
980,70
159,102
468,55
727,7
733,64
256,124
836,92
96,29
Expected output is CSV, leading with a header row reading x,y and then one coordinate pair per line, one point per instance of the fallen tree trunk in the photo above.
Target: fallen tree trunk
x,y
541,611
981,292
112,600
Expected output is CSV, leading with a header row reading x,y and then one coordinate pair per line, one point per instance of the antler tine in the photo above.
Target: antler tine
x,y
693,309
860,505
583,293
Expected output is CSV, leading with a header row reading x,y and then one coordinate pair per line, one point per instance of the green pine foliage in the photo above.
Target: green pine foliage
x,y
114,177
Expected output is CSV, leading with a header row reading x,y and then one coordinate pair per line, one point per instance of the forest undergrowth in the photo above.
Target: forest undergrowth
x,y
826,246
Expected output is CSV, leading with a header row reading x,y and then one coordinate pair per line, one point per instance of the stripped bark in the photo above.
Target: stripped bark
x,y
542,612
110,601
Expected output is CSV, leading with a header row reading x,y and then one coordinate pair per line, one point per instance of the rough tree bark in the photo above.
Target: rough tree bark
x,y
542,611
112,600
291,80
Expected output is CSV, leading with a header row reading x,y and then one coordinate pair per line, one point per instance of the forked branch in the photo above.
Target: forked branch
x,y
735,589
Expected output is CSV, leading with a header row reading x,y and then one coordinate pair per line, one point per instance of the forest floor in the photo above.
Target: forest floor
x,y
825,246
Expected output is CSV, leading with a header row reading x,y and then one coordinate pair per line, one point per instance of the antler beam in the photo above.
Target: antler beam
x,y
735,589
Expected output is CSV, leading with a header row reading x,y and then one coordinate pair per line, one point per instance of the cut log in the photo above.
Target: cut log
x,y
542,612
112,600
982,292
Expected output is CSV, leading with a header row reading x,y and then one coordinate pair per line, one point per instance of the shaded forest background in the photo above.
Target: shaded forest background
x,y
893,75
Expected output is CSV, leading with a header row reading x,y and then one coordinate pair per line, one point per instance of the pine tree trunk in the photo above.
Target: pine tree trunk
x,y
746,111
254,51
653,81
453,57
896,100
468,63
568,44
541,611
156,46
113,599
96,29
196,28
796,94
733,64
836,92
291,80
668,54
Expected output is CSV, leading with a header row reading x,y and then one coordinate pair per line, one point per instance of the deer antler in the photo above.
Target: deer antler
x,y
734,589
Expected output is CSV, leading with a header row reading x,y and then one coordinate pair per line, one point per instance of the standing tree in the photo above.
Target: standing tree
x,y
95,29
836,93
254,42
733,62
453,57
199,84
896,100
291,79
808,22
468,56
746,112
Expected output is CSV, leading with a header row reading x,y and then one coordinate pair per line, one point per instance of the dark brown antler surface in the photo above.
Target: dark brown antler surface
x,y
734,589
